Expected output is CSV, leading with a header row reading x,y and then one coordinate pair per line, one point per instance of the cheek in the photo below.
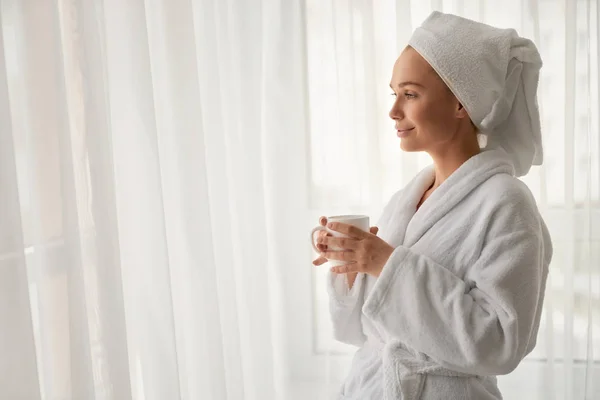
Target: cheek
x,y
431,119
419,114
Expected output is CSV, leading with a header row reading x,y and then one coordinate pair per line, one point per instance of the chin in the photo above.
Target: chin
x,y
409,146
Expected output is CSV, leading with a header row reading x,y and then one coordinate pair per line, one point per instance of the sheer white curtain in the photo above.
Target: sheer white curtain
x,y
162,162
144,190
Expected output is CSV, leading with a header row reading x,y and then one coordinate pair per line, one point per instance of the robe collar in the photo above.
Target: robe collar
x,y
412,224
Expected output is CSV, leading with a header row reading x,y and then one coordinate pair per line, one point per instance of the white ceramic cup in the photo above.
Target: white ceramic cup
x,y
360,221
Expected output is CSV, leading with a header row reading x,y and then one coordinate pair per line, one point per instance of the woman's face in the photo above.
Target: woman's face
x,y
426,113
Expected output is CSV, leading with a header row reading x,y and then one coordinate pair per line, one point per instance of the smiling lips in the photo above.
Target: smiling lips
x,y
404,132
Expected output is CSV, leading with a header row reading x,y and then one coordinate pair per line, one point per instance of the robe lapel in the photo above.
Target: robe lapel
x,y
453,190
405,207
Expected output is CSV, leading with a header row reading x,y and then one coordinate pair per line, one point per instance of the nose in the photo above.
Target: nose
x,y
396,111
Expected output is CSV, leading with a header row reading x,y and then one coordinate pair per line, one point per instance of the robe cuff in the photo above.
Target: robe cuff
x,y
338,288
391,272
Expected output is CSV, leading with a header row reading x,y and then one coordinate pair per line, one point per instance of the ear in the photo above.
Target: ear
x,y
461,112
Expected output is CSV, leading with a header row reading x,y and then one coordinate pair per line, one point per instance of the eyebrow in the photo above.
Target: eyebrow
x,y
402,84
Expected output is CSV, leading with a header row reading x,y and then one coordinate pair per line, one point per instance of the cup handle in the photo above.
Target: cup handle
x,y
312,237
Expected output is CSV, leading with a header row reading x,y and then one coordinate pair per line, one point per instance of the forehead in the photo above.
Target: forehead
x,y
410,66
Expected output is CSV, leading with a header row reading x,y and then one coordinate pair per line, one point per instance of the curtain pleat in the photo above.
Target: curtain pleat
x,y
19,362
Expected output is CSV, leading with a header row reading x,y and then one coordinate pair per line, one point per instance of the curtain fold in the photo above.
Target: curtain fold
x,y
19,363
161,162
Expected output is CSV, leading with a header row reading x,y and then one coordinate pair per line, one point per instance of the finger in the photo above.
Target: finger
x,y
374,230
339,255
319,261
343,243
324,234
347,229
344,269
321,247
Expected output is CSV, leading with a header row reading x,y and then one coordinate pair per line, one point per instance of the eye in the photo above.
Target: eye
x,y
392,94
409,95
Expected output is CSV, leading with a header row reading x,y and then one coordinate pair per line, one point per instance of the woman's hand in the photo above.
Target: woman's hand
x,y
323,247
364,251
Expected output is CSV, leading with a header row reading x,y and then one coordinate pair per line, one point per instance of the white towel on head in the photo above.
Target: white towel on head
x,y
494,73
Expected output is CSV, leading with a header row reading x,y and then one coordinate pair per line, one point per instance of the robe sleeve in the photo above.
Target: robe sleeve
x,y
483,325
345,308
345,305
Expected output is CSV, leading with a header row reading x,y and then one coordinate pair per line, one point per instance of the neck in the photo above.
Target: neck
x,y
453,155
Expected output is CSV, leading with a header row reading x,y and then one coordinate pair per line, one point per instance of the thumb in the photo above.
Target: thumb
x,y
374,230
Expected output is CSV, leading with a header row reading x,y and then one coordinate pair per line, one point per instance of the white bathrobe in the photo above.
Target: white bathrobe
x,y
459,300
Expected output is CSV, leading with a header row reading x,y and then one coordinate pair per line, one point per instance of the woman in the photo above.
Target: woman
x,y
450,294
